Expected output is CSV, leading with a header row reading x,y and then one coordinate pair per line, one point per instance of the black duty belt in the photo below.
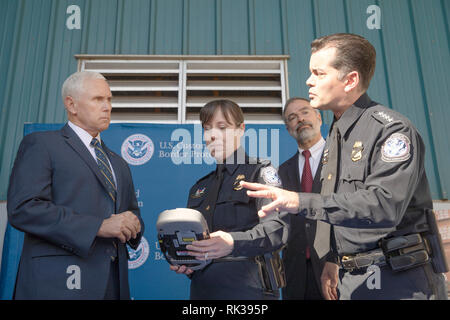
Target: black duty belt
x,y
404,249
363,260
400,253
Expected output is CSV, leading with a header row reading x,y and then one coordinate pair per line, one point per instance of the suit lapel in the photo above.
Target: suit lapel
x,y
75,143
294,178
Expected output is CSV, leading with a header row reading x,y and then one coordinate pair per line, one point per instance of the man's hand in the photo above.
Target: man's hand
x,y
283,200
219,245
329,281
122,226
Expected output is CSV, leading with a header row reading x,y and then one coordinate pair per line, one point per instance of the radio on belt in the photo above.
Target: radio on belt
x,y
178,228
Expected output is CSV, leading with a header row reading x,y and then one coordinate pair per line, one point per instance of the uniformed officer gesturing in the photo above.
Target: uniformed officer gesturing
x,y
375,191
239,240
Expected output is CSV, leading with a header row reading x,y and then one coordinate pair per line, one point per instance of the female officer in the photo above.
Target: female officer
x,y
236,229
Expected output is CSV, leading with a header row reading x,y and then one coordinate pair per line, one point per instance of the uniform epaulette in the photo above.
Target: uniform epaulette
x,y
385,117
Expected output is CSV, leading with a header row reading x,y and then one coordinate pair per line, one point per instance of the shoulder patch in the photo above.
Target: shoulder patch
x,y
270,176
396,148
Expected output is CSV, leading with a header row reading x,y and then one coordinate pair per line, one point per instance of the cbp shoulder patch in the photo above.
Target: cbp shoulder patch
x,y
396,148
270,176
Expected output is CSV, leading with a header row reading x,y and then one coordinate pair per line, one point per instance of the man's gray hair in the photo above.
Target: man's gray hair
x,y
74,83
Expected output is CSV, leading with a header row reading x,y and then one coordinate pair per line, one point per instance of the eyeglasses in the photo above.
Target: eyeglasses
x,y
295,116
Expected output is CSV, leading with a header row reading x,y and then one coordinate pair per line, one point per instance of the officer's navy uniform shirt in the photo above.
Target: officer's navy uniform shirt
x,y
237,214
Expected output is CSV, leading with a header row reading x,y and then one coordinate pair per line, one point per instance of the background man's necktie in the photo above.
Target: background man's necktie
x,y
307,178
105,169
210,202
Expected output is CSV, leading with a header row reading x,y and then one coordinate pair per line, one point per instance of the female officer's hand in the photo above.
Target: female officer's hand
x,y
181,269
219,245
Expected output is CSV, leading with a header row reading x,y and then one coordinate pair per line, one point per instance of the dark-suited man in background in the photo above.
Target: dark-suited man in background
x,y
74,199
309,241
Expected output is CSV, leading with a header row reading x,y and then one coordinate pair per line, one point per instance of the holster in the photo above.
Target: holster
x,y
271,272
405,252
416,246
434,240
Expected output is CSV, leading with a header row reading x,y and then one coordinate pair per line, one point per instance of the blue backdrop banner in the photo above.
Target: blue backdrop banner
x,y
165,161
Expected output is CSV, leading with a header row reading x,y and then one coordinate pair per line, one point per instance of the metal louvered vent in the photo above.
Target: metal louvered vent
x,y
172,89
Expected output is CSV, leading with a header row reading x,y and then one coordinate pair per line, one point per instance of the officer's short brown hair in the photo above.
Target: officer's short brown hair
x,y
231,111
353,53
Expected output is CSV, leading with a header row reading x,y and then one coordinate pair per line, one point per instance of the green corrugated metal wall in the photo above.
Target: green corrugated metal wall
x,y
413,46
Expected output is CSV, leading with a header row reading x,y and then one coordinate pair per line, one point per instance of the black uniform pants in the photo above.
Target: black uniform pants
x,y
233,280
381,283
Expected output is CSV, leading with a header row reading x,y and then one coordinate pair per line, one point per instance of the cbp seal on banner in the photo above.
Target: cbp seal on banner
x,y
138,256
137,149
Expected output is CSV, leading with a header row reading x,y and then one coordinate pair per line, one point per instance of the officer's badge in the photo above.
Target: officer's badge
x,y
236,184
357,151
200,192
396,148
270,176
325,157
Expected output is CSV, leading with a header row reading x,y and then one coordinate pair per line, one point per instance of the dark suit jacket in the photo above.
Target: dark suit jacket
x,y
302,232
58,198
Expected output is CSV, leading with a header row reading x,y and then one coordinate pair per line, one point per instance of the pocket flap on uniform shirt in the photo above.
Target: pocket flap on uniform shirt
x,y
195,202
355,172
234,196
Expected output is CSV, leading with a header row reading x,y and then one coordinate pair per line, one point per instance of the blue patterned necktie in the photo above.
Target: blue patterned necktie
x,y
105,168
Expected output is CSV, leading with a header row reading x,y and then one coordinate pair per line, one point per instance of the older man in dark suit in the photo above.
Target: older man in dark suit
x,y
309,241
74,199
